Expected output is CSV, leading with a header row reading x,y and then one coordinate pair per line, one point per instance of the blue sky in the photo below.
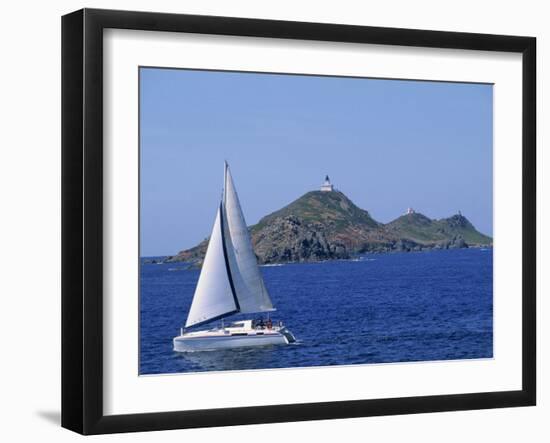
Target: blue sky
x,y
387,144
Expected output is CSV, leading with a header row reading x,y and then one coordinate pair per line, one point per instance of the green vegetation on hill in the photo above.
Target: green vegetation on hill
x,y
332,209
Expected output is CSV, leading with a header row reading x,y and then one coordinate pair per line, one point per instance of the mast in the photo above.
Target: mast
x,y
226,253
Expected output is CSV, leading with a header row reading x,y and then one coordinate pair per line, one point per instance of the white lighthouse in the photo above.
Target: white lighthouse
x,y
327,186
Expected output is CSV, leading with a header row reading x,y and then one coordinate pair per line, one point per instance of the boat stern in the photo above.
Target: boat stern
x,y
290,338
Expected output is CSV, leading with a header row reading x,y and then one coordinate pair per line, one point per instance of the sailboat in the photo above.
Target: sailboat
x,y
230,283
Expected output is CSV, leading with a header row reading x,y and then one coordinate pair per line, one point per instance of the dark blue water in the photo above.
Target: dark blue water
x,y
435,305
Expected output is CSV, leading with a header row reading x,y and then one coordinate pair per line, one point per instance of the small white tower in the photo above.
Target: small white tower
x,y
327,185
410,211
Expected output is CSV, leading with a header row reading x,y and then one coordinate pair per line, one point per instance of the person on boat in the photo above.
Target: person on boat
x,y
269,323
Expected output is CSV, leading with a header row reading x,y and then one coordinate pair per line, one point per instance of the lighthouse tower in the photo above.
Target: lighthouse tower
x,y
327,186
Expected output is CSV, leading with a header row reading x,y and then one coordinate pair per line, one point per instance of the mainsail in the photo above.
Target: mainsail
x,y
230,280
255,298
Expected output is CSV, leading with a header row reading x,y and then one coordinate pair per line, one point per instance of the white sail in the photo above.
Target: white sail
x,y
214,296
255,298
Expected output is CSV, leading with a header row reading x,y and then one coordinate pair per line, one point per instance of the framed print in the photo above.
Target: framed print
x,y
269,221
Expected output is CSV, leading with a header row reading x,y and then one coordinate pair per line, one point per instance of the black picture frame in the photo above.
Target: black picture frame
x,y
82,218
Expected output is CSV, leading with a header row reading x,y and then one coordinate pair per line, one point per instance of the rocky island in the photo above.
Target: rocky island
x,y
327,225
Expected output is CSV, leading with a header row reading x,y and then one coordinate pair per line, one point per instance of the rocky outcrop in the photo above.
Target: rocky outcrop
x,y
290,239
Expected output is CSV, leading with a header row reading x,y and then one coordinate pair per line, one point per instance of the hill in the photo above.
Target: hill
x,y
420,229
328,225
317,226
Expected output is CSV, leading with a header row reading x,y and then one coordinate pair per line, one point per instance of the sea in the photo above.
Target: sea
x,y
374,308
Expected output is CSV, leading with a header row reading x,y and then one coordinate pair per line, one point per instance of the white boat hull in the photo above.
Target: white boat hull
x,y
187,344
228,338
